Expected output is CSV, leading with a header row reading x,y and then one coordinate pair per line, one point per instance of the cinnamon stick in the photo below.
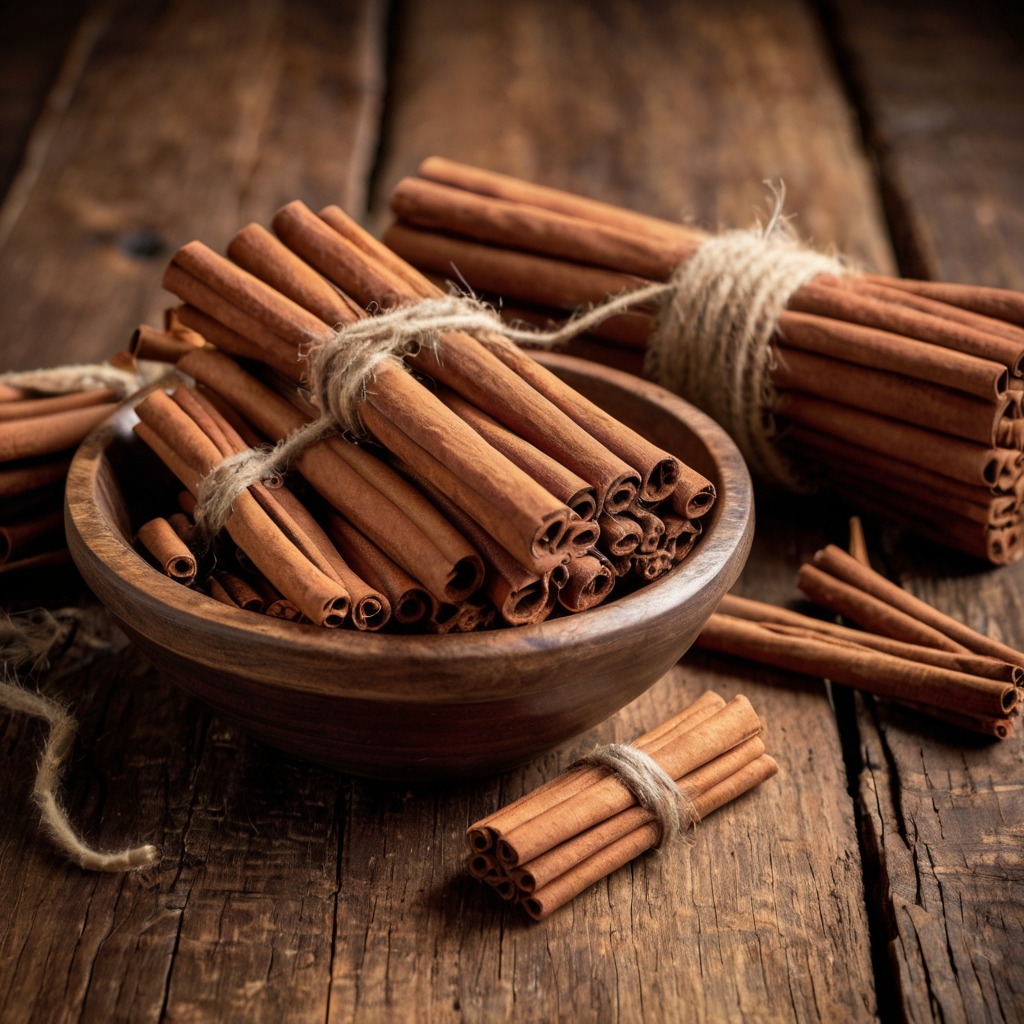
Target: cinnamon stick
x,y
14,482
590,582
29,408
19,539
1000,303
46,435
835,561
164,543
239,592
858,667
161,346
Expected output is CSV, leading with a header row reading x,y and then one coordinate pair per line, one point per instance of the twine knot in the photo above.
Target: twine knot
x,y
655,790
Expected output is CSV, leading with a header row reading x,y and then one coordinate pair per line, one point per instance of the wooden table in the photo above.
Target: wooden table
x,y
880,874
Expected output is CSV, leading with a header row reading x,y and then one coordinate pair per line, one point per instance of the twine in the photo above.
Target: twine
x,y
30,639
62,380
718,313
655,790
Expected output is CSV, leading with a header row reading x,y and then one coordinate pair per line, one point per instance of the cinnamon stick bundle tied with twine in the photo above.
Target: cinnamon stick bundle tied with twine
x,y
791,351
617,802
480,489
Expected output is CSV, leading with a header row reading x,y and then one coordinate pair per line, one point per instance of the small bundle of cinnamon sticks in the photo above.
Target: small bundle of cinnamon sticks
x,y
907,395
38,434
906,650
485,490
550,845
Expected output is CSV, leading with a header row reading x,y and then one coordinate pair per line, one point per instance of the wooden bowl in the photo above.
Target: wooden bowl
x,y
414,707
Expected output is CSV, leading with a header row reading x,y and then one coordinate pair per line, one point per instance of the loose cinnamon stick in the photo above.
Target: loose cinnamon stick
x,y
240,593
869,611
256,250
1000,728
860,668
889,394
834,560
961,460
884,350
724,730
969,663
14,482
46,435
518,275
164,543
517,225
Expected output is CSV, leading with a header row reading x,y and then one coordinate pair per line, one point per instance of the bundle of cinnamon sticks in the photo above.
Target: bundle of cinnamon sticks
x,y
38,434
907,395
485,490
550,845
906,650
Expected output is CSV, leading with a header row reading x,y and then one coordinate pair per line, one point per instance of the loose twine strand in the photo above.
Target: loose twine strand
x,y
655,790
717,315
62,380
31,639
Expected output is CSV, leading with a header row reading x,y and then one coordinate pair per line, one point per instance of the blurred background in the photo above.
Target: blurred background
x,y
129,128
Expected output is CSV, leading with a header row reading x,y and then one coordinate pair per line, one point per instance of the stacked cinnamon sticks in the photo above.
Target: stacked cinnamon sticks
x,y
486,490
907,394
550,845
906,651
38,434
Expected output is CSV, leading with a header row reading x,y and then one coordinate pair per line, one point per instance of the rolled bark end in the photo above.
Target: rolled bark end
x,y
481,839
622,493
182,568
701,502
466,576
507,853
584,504
524,879
661,481
533,908
504,887
559,576
523,606
482,866
583,536
369,613
1009,699
411,607
283,609
335,613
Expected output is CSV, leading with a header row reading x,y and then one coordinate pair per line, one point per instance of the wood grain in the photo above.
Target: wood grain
x,y
685,122
188,119
940,86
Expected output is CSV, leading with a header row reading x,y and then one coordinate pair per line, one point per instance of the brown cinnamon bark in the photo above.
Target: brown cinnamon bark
x,y
969,663
834,560
425,546
890,394
620,534
961,460
29,478
409,601
852,307
333,255
162,346
724,730
320,598
518,275
564,484
483,833
275,311
46,435
241,594
884,350
869,611
517,225
165,544
505,186
258,340
858,667
256,250
1001,303
590,582
549,866
1000,728
18,539
30,408
651,526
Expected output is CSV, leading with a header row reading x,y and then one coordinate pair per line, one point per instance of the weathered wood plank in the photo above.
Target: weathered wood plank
x,y
188,118
676,109
940,86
